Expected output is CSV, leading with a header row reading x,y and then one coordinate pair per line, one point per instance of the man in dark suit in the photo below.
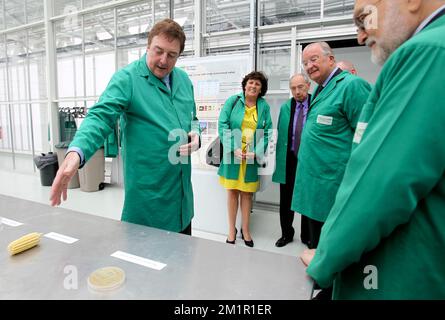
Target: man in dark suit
x,y
290,124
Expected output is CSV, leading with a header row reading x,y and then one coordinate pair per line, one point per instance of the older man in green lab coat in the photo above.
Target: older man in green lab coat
x,y
327,136
157,104
385,235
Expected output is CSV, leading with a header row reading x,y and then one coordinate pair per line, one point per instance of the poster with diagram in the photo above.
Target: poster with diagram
x,y
215,79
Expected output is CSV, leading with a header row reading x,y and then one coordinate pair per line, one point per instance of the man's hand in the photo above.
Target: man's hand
x,y
192,146
307,255
64,175
249,155
239,154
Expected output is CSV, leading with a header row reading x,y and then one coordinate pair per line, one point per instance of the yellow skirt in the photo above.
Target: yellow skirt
x,y
240,184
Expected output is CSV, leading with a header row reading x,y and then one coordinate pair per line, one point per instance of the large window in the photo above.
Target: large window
x,y
223,15
334,8
90,46
99,50
184,15
134,21
69,54
66,6
275,62
23,76
282,11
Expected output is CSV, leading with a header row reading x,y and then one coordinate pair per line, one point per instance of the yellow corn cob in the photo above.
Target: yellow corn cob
x,y
24,243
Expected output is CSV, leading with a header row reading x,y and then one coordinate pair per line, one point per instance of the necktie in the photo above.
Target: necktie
x,y
298,128
166,80
319,88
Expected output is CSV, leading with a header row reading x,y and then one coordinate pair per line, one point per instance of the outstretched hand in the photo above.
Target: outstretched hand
x,y
64,175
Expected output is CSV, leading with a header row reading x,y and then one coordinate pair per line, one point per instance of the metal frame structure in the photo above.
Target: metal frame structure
x,y
234,37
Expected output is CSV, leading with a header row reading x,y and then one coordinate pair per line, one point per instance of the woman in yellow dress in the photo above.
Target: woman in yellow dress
x,y
243,127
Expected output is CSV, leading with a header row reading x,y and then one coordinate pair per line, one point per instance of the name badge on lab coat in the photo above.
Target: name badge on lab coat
x,y
324,120
359,131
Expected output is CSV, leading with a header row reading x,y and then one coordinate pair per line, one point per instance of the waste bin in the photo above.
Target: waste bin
x,y
92,175
61,151
48,166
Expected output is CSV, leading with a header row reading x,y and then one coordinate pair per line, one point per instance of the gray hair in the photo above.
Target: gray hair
x,y
325,47
304,75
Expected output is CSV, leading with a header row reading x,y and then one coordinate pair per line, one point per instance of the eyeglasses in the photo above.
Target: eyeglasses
x,y
313,60
170,55
367,19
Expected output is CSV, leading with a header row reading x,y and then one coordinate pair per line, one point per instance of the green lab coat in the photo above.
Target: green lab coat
x,y
326,144
390,208
279,175
232,119
157,193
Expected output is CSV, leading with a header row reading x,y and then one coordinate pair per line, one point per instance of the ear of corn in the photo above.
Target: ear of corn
x,y
24,243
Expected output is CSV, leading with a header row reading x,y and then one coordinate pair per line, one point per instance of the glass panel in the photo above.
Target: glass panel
x,y
34,10
99,51
133,23
2,23
92,3
65,6
3,87
69,59
16,45
184,15
21,127
5,143
282,11
223,15
6,162
275,62
17,80
127,55
223,50
99,31
17,68
37,63
40,127
338,7
162,9
99,69
14,13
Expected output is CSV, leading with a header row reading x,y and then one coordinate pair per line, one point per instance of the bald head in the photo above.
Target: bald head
x,y
347,66
299,85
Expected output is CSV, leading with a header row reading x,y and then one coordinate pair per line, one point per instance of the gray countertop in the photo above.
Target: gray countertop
x,y
195,268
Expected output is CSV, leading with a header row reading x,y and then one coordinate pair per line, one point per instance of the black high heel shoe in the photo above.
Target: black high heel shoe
x,y
233,241
248,243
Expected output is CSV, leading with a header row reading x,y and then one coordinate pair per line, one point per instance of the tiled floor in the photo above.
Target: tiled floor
x,y
265,225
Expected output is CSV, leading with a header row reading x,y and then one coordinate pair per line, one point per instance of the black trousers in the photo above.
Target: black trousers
x,y
310,231
187,230
286,193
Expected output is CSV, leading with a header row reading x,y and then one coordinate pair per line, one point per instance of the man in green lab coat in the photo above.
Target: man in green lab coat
x,y
326,139
327,136
385,235
157,104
